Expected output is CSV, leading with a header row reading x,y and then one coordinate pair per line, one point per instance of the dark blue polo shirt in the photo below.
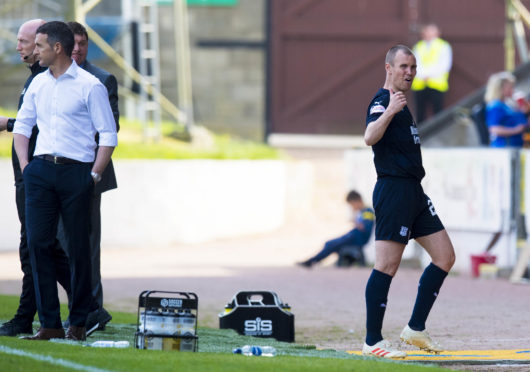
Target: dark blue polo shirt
x,y
397,154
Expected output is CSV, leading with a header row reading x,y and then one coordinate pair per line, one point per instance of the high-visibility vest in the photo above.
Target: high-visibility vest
x,y
429,56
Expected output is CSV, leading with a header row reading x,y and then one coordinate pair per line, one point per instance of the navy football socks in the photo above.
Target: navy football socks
x,y
376,297
430,283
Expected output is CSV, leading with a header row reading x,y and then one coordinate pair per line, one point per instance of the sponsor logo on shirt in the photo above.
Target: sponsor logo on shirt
x,y
377,108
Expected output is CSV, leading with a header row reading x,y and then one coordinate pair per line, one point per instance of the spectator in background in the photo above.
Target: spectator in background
x,y
349,246
434,57
506,120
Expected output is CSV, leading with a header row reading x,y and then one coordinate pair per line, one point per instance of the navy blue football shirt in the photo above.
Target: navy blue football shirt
x,y
397,154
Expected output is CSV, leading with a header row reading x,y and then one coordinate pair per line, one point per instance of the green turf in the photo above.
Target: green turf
x,y
132,145
215,354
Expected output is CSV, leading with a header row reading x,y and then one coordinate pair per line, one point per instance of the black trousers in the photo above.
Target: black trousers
x,y
95,249
54,190
27,307
428,98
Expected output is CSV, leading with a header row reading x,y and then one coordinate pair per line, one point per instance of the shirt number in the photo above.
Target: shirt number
x,y
431,207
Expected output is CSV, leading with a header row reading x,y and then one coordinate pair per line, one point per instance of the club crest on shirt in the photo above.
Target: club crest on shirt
x,y
377,108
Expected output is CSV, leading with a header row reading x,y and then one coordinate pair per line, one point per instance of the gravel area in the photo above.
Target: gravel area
x,y
328,302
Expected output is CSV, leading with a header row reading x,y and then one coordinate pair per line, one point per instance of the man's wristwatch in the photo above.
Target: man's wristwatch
x,y
95,176
10,124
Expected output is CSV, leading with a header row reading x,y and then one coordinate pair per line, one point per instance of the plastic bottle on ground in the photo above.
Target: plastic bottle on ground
x,y
115,344
253,350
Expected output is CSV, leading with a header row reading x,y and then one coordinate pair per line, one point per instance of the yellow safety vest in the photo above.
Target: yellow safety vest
x,y
429,57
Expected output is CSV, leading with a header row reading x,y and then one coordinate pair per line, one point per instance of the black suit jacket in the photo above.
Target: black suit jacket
x,y
108,178
35,70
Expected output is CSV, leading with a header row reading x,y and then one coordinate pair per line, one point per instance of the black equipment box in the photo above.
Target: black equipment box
x,y
260,314
167,321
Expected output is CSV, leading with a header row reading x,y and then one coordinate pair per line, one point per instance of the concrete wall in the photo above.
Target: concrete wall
x,y
165,202
228,81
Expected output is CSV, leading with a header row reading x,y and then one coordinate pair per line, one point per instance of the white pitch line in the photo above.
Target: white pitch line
x,y
49,359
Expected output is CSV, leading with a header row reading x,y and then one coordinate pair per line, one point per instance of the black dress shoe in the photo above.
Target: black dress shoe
x,y
92,322
15,327
96,321
103,317
75,333
45,334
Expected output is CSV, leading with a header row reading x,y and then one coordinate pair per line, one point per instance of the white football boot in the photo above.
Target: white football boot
x,y
383,349
420,339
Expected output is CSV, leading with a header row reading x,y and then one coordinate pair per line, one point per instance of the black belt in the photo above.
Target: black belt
x,y
59,159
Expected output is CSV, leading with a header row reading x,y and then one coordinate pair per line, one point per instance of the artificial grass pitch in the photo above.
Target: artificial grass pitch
x,y
215,353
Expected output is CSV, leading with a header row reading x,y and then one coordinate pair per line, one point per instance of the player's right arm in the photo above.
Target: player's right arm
x,y
377,128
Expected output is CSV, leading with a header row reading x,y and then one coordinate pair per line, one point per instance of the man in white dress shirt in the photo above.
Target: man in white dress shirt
x,y
70,106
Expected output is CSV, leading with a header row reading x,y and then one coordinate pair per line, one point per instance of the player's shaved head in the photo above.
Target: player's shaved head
x,y
391,54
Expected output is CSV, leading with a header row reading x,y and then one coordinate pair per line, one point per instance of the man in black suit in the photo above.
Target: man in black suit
x,y
23,319
100,317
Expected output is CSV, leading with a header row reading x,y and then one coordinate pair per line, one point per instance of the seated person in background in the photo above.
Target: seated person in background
x,y
505,120
349,246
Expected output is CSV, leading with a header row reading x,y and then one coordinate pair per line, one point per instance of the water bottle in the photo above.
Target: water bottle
x,y
159,322
252,350
116,344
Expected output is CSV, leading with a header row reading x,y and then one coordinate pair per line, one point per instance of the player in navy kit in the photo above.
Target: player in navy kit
x,y
402,209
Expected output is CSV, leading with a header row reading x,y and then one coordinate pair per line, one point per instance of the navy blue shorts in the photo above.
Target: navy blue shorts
x,y
403,211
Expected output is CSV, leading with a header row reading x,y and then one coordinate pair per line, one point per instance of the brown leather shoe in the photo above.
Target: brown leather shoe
x,y
44,334
75,333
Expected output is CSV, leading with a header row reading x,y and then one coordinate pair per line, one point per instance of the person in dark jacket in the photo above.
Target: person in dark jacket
x,y
27,308
100,317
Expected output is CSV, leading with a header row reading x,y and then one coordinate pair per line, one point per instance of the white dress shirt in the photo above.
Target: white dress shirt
x,y
68,112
